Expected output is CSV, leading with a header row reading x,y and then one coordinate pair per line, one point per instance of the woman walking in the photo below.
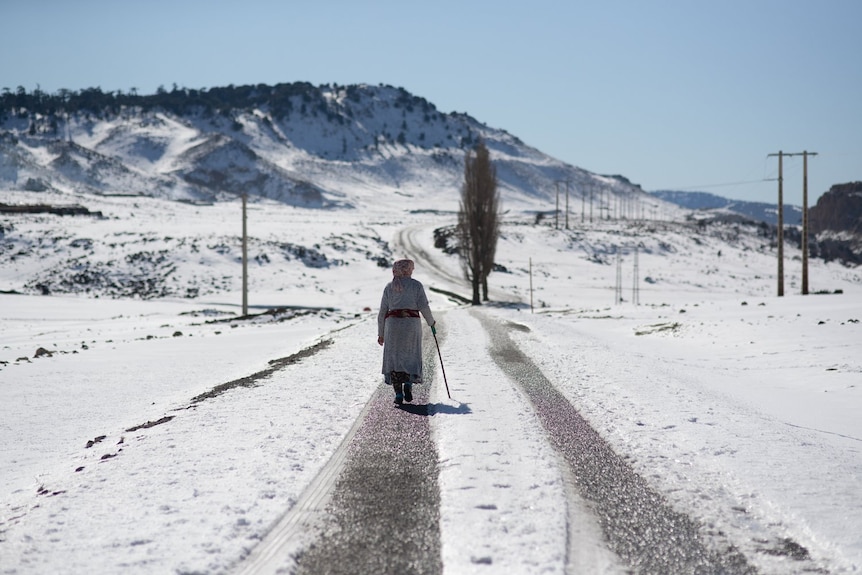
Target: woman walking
x,y
399,330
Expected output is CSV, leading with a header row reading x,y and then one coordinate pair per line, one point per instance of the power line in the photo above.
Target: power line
x,y
725,184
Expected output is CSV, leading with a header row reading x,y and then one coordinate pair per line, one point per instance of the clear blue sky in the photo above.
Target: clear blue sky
x,y
673,94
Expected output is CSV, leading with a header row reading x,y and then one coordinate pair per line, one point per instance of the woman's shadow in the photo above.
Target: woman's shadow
x,y
436,409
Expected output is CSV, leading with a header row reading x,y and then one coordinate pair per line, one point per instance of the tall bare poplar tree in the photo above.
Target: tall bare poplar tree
x,y
478,226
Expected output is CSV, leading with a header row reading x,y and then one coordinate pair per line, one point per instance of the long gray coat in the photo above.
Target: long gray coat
x,y
402,336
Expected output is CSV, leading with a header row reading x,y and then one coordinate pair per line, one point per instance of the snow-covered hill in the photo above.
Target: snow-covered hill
x,y
757,211
297,144
330,149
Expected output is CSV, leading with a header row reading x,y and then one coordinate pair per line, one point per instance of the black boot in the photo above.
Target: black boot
x,y
395,378
403,379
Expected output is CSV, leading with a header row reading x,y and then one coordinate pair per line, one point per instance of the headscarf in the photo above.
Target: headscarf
x,y
401,269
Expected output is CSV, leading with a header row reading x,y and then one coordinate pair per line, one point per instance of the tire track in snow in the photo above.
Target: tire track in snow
x,y
374,508
406,241
384,510
506,503
288,536
432,265
640,526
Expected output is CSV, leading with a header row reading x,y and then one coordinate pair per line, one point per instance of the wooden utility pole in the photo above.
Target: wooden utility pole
x,y
780,155
804,246
557,210
805,220
805,223
244,258
557,185
583,202
567,204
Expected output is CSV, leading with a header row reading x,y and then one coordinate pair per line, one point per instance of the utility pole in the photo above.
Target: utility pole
x,y
557,210
607,205
602,204
567,204
781,156
583,202
557,183
805,220
244,257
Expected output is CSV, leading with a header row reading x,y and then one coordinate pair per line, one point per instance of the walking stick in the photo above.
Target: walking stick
x,y
434,333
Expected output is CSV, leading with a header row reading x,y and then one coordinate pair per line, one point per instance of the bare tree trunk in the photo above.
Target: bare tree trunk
x,y
478,226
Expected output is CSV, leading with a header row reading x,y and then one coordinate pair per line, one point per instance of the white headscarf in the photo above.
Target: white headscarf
x,y
401,269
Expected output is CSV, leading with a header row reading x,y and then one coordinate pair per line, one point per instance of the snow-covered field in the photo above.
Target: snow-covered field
x,y
742,408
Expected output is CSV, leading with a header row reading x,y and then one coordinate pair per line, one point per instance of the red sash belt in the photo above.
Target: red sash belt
x,y
402,313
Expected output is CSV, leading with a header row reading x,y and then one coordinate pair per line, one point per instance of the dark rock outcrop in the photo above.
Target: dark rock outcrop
x,y
836,223
838,210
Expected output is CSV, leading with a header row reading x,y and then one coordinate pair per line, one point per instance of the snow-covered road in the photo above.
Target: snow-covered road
x,y
738,410
525,484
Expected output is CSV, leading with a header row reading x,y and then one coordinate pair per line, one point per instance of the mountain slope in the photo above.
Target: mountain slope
x,y
757,211
323,147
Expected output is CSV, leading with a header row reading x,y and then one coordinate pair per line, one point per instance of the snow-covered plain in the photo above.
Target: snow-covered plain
x,y
742,408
